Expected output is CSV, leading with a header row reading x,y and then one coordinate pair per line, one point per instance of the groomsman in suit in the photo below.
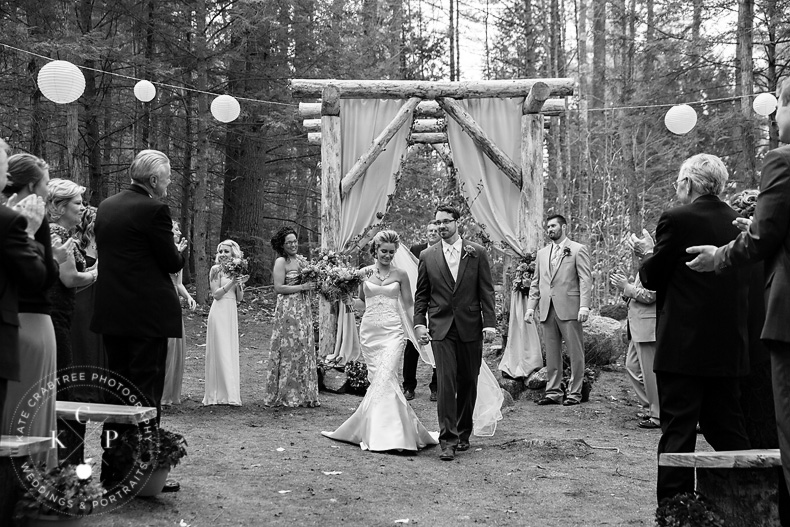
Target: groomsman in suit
x,y
768,239
453,308
411,356
701,326
561,287
136,306
642,348
21,263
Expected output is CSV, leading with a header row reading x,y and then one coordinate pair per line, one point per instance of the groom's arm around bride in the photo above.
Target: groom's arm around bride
x,y
454,305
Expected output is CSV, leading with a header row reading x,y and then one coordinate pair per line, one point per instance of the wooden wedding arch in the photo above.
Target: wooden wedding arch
x,y
426,109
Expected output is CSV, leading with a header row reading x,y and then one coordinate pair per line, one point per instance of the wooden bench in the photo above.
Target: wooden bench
x,y
18,446
104,413
742,484
11,448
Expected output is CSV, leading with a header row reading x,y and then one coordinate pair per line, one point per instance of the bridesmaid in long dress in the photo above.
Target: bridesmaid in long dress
x,y
29,175
223,381
174,367
291,374
384,421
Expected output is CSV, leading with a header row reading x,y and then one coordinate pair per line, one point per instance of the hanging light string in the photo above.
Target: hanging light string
x,y
156,83
194,90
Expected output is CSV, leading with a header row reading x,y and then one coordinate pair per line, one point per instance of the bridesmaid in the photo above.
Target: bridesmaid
x,y
291,376
223,383
174,367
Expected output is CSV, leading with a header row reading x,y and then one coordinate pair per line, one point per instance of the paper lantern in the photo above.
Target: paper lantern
x,y
144,91
765,104
61,81
680,119
225,108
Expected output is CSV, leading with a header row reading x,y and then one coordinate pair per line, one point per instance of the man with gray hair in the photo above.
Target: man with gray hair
x,y
136,307
701,323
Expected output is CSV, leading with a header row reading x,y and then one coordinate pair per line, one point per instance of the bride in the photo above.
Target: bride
x,y
384,420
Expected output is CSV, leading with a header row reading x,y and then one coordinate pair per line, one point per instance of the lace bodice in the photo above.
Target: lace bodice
x,y
381,301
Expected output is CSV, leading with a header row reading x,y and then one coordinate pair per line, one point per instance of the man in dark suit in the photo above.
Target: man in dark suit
x,y
411,356
136,307
21,263
768,239
455,295
701,324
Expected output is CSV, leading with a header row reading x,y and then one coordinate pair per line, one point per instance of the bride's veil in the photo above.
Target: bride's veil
x,y
489,395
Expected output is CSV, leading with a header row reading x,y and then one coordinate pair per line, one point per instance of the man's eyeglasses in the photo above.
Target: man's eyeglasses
x,y
676,184
444,222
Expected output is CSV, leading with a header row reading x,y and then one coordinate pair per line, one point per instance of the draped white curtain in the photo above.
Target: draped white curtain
x,y
361,120
495,202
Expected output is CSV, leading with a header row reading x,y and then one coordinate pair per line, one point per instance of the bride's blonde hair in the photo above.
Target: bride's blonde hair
x,y
385,236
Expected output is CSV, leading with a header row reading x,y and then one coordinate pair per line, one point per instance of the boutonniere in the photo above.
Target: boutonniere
x,y
566,251
469,251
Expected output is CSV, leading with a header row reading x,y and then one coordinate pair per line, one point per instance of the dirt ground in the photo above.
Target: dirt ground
x,y
586,465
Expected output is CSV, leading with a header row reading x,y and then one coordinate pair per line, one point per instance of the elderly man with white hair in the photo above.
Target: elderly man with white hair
x,y
701,323
136,307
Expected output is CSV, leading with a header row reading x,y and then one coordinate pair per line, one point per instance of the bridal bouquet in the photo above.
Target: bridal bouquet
x,y
335,276
234,267
523,273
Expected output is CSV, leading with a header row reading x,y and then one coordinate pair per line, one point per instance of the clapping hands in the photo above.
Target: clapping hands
x,y
641,246
32,208
618,280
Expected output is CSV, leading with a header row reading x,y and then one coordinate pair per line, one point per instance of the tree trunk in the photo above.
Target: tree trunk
x,y
202,198
745,64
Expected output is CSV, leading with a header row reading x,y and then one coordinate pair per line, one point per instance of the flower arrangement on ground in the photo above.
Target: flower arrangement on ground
x,y
687,510
523,274
357,376
67,490
159,449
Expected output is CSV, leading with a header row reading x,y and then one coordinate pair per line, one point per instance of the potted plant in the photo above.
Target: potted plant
x,y
153,454
61,496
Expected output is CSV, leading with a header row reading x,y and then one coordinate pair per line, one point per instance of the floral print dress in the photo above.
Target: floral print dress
x,y
291,376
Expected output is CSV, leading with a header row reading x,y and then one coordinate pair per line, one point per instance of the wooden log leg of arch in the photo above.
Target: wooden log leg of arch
x,y
530,219
331,174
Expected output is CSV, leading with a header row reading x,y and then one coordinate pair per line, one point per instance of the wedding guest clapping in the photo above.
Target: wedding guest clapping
x,y
291,375
174,367
27,341
701,331
223,380
642,346
87,347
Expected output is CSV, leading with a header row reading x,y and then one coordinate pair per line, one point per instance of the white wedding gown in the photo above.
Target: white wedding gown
x,y
384,420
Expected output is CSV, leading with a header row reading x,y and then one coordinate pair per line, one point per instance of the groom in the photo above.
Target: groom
x,y
455,290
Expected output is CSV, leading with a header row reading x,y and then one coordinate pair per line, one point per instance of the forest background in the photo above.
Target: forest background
x,y
609,162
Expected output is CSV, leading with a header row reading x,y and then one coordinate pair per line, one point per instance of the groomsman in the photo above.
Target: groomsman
x,y
768,239
562,287
411,356
701,330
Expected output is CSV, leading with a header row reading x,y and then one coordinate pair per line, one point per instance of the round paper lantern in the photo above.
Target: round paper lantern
x,y
680,119
765,104
61,81
144,91
225,108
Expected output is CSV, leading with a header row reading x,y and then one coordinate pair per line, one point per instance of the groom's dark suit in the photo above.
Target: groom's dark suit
x,y
458,311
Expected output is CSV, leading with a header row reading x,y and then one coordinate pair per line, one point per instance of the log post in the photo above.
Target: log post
x,y
480,138
428,139
365,160
530,220
331,173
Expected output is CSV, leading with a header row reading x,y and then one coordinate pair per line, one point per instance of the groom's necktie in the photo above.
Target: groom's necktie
x,y
556,252
452,261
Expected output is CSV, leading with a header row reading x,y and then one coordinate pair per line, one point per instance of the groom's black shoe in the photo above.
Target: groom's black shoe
x,y
448,453
547,400
408,394
463,446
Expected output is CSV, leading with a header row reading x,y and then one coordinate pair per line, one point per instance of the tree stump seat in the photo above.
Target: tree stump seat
x,y
742,484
